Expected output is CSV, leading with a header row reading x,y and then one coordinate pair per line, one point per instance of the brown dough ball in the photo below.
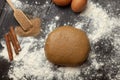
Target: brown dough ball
x,y
34,31
67,46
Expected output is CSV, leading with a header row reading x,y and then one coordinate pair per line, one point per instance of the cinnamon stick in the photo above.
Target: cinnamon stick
x,y
14,38
13,43
10,54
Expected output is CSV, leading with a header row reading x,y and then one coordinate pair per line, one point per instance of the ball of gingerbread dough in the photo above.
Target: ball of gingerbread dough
x,y
67,46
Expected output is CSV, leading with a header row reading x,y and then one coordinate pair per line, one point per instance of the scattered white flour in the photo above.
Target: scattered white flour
x,y
32,64
36,2
35,9
96,64
17,3
57,17
100,19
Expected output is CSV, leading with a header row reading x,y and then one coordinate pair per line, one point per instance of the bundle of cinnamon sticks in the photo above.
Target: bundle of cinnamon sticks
x,y
11,38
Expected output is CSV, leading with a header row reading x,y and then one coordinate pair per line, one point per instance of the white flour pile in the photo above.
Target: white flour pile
x,y
32,64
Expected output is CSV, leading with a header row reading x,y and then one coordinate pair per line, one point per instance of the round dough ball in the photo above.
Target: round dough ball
x,y
67,46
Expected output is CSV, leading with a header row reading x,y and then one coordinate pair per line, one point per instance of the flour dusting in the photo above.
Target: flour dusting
x,y
103,32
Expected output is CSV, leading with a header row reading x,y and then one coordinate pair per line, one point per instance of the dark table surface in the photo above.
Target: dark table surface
x,y
46,14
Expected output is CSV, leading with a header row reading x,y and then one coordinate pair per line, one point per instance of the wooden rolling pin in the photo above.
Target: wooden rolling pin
x,y
21,17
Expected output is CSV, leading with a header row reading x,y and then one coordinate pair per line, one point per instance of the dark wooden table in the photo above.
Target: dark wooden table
x,y
7,19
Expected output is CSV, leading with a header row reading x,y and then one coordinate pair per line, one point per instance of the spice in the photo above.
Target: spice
x,y
34,31
14,38
7,39
13,43
11,37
